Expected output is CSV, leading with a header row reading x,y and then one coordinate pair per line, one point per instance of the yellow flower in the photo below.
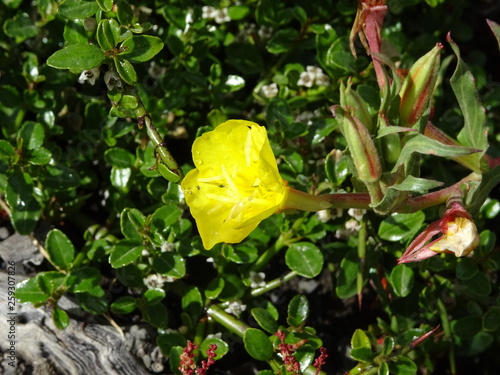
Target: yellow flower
x,y
460,238
236,183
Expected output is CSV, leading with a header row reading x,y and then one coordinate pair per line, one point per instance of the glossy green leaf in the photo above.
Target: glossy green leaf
x,y
479,284
132,223
77,57
170,264
84,279
222,347
60,318
60,178
265,320
361,347
39,156
125,252
105,5
29,291
298,311
77,9
124,305
60,249
491,320
282,40
119,157
25,209
167,341
401,227
94,301
347,278
305,259
402,279
126,70
141,48
32,134
466,269
257,344
154,296
20,27
124,12
403,366
74,32
107,34
164,217
383,369
121,178
214,288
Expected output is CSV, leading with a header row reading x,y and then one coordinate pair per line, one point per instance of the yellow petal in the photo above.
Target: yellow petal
x,y
236,183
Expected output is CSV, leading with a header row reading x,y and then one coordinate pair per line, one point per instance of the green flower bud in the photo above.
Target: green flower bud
x,y
418,87
351,101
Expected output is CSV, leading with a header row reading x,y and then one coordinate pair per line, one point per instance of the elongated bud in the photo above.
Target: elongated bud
x,y
363,151
352,102
418,87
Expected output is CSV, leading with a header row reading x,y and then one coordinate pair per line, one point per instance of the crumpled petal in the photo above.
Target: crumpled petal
x,y
236,183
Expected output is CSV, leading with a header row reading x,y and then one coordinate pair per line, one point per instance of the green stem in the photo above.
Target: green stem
x,y
447,332
273,284
361,259
226,320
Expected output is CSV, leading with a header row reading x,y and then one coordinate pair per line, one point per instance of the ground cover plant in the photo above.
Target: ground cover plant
x,y
287,187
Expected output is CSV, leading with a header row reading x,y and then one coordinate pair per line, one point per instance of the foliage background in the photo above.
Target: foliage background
x,y
91,176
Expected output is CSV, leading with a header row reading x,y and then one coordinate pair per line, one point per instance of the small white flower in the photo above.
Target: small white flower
x,y
167,247
307,286
323,215
89,75
222,16
156,71
313,70
257,279
235,308
322,79
112,80
265,32
217,335
305,117
356,213
156,280
352,226
270,91
306,79
209,260
208,12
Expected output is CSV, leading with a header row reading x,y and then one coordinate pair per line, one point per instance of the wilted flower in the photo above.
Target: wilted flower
x,y
459,236
89,75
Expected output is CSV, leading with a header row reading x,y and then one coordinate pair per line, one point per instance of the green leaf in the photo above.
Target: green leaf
x,y
94,302
424,145
245,57
495,28
124,305
214,288
74,32
60,178
257,344
132,223
154,296
402,279
383,369
401,227
39,156
480,193
119,157
141,48
361,346
222,347
125,252
265,320
60,318
491,320
124,12
164,217
108,32
121,178
32,134
77,57
20,27
25,209
402,366
463,84
51,282
77,9
479,284
126,70
416,184
243,254
282,40
298,311
347,278
156,315
192,303
466,269
60,249
304,258
105,5
167,341
170,264
84,279
30,291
